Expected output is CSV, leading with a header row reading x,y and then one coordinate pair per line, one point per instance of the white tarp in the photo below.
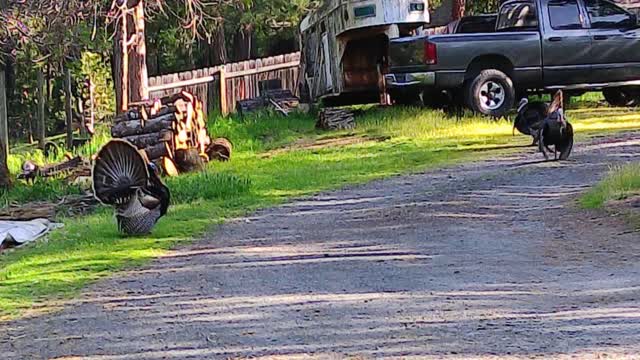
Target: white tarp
x,y
16,233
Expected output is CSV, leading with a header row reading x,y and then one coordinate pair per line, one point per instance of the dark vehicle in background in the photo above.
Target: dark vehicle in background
x,y
537,46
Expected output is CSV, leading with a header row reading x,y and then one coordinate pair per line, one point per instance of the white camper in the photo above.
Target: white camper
x,y
345,44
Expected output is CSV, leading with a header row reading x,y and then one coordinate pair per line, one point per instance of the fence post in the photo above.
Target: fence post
x,y
4,129
223,92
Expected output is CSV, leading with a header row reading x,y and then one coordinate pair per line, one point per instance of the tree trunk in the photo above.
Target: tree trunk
x,y
138,74
41,128
116,69
5,177
218,47
243,43
68,106
130,60
457,11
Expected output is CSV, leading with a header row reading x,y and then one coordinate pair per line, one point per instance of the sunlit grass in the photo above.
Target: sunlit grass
x,y
401,140
621,183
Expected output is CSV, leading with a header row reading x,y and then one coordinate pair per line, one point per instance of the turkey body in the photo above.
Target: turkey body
x,y
123,178
530,118
556,132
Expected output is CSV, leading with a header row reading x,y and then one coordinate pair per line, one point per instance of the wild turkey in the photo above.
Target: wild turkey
x,y
124,179
556,131
530,118
29,171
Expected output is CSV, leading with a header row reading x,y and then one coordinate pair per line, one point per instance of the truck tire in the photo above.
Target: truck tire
x,y
622,97
491,93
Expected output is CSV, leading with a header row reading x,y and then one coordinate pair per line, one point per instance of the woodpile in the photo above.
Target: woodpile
x,y
171,131
336,119
72,169
271,96
69,206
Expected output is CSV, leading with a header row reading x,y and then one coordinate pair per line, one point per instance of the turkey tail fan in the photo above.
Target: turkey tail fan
x,y
119,170
557,103
566,146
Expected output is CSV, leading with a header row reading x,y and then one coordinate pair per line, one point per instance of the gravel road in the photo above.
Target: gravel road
x,y
488,260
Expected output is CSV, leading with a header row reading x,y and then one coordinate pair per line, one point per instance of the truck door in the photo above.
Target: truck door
x,y
566,44
615,50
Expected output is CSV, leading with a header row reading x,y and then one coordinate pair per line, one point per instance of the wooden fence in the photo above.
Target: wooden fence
x,y
221,87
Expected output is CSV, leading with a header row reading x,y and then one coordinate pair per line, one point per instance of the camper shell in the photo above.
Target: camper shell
x,y
345,46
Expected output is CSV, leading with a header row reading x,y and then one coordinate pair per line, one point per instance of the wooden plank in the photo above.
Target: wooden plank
x,y
265,69
4,129
224,109
167,85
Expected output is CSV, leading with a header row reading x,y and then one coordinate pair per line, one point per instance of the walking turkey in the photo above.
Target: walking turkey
x,y
556,131
530,118
125,179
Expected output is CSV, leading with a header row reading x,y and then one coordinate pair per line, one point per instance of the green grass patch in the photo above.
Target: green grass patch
x,y
261,173
621,183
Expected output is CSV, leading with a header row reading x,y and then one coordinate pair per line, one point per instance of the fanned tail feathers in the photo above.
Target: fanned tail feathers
x,y
119,170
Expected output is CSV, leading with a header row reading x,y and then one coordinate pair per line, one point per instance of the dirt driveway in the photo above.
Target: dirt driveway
x,y
486,260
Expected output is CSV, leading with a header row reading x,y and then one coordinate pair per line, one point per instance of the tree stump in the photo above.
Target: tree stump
x,y
220,150
189,160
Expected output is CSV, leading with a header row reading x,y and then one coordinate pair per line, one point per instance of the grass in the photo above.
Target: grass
x,y
45,189
621,183
390,141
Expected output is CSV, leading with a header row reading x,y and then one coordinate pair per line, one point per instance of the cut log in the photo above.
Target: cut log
x,y
158,151
146,140
189,160
220,150
336,119
135,127
169,167
135,114
132,114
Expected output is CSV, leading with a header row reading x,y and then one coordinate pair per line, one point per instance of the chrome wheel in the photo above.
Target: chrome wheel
x,y
492,96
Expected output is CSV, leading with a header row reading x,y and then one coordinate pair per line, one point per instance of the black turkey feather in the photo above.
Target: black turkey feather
x,y
530,118
556,131
124,179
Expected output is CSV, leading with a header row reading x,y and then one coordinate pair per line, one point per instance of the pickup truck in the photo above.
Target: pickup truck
x,y
538,46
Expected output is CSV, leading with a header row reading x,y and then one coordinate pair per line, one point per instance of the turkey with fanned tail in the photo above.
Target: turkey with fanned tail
x,y
530,118
556,131
125,179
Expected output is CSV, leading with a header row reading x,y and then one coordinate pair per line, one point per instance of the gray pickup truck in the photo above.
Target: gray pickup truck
x,y
538,46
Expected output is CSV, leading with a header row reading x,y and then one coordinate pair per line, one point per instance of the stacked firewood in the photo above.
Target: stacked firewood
x,y
72,168
272,95
171,131
336,119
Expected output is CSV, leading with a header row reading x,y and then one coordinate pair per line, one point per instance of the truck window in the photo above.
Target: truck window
x,y
517,16
565,15
479,25
606,15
